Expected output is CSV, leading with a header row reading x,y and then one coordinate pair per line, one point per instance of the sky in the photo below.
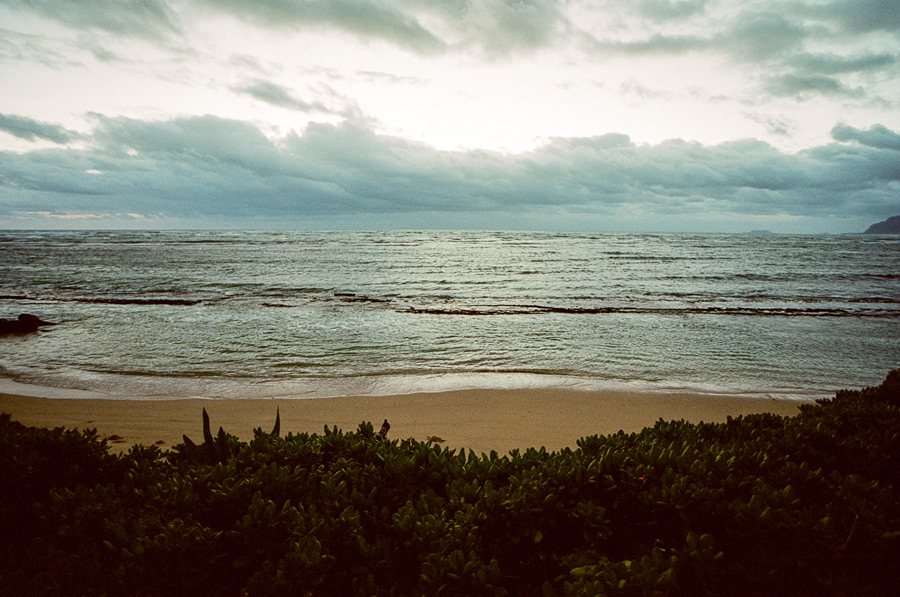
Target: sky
x,y
601,115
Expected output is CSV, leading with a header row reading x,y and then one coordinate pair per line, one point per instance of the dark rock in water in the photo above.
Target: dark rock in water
x,y
889,226
24,324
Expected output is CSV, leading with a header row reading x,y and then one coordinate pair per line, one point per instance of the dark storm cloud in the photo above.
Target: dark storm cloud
x,y
149,19
30,129
213,168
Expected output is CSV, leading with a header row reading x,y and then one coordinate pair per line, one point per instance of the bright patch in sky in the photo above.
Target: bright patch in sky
x,y
486,113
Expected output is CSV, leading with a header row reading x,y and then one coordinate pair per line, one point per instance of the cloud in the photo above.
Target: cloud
x,y
750,36
763,36
365,18
656,44
775,125
855,16
56,216
30,129
213,170
876,136
204,143
802,86
504,26
148,19
100,52
790,50
778,45
498,27
16,47
662,10
277,95
832,64
635,93
769,32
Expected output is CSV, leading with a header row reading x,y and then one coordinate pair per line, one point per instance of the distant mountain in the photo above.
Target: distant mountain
x,y
889,226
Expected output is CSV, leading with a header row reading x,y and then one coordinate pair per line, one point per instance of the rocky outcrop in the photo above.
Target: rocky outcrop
x,y
24,324
889,226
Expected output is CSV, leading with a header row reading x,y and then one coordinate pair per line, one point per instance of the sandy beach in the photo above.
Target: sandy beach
x,y
480,420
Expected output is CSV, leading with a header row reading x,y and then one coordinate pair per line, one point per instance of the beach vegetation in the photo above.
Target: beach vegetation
x,y
757,505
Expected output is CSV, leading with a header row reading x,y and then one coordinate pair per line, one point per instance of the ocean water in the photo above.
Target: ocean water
x,y
230,314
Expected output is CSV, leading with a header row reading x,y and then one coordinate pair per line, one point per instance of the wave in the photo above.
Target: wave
x,y
111,300
871,307
779,277
875,299
141,301
352,297
743,311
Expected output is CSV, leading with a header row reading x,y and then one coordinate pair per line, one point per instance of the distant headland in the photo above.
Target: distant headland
x,y
889,226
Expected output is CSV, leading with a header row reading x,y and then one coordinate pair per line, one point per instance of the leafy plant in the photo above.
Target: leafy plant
x,y
758,504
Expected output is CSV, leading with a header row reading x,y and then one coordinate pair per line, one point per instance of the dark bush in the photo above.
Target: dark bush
x,y
759,505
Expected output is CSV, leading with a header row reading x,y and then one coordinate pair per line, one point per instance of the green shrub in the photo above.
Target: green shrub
x,y
805,505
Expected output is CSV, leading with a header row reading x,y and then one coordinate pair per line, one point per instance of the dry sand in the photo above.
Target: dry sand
x,y
480,420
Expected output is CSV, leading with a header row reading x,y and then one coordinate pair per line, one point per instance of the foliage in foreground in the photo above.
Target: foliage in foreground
x,y
806,505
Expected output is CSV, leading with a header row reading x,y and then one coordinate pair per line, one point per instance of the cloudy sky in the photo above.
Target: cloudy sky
x,y
646,115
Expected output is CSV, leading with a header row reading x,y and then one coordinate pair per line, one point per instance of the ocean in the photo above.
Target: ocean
x,y
260,314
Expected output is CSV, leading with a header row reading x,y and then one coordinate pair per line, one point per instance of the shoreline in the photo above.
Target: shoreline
x,y
481,420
